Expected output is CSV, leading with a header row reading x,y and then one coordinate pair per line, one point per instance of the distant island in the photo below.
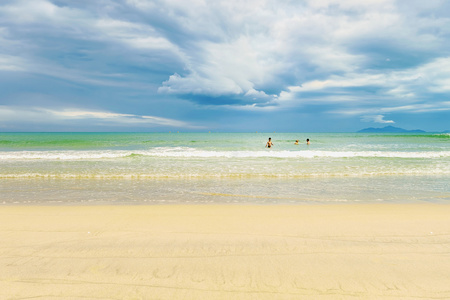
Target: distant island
x,y
389,129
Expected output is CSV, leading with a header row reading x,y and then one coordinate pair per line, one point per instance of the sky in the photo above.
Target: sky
x,y
224,66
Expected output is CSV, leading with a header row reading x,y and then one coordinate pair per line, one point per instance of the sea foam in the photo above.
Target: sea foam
x,y
194,153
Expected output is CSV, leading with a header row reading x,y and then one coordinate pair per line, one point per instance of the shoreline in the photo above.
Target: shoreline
x,y
218,251
261,191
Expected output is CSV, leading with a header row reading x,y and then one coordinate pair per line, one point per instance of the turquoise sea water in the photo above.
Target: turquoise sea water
x,y
147,168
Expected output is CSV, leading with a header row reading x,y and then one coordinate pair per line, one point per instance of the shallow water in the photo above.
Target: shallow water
x,y
123,168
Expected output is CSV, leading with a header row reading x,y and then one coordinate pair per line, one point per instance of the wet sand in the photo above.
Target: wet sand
x,y
379,251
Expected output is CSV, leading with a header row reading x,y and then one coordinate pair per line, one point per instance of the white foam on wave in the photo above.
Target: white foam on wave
x,y
245,175
181,152
303,154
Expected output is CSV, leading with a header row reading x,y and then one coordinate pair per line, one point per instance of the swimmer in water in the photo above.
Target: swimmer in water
x,y
307,141
269,144
296,142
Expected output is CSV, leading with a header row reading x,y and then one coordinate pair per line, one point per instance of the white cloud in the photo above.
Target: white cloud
x,y
370,57
376,119
368,113
14,63
11,63
82,114
199,85
15,114
235,47
404,86
233,68
308,40
84,26
40,12
134,35
419,108
436,75
254,94
115,117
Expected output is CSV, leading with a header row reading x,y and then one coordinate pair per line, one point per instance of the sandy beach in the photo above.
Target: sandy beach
x,y
368,251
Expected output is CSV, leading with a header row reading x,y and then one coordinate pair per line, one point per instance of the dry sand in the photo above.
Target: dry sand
x,y
385,251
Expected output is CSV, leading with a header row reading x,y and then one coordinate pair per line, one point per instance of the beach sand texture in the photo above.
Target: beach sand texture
x,y
367,251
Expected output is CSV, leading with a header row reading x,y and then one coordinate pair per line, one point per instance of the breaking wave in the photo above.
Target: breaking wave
x,y
184,152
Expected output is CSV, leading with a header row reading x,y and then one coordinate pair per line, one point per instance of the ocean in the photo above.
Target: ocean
x,y
218,168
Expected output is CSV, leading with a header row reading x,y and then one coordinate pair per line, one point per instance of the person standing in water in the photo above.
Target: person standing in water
x,y
269,144
296,142
307,141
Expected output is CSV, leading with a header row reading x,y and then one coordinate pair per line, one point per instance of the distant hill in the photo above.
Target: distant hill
x,y
389,129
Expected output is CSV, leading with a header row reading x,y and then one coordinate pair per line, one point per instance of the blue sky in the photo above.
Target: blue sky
x,y
197,65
